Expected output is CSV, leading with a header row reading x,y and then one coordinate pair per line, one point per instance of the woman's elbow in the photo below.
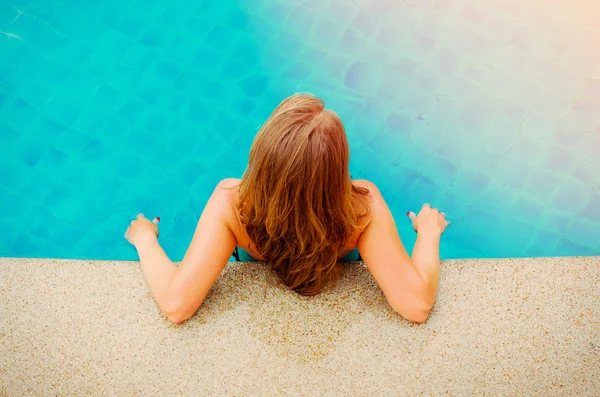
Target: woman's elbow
x,y
177,313
417,312
416,316
419,317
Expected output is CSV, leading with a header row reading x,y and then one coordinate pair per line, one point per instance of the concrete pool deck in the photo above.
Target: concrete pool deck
x,y
500,327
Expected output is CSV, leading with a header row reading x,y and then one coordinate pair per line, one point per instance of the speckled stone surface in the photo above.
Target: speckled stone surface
x,y
499,327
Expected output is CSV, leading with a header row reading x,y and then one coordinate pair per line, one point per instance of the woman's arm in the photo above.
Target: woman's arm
x,y
179,291
409,284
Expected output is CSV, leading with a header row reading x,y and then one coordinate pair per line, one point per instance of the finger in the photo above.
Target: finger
x,y
139,216
411,215
156,220
131,223
426,205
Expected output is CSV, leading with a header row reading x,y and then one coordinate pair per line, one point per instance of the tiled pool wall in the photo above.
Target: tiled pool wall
x,y
488,109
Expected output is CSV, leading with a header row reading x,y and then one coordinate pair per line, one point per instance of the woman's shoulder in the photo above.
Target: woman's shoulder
x,y
228,191
365,184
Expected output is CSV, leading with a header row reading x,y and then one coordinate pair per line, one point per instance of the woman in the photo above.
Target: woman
x,y
297,209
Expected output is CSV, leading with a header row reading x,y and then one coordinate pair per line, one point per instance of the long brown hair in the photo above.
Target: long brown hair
x,y
297,200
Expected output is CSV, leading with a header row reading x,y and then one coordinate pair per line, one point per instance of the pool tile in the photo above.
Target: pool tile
x,y
460,35
484,50
426,190
585,172
475,116
366,25
419,46
460,88
130,113
404,14
580,59
429,80
8,14
300,20
570,248
444,60
71,141
361,77
556,105
395,84
344,11
20,115
582,117
441,171
67,23
515,176
28,150
221,38
512,60
389,146
133,23
475,12
530,152
149,91
351,39
513,9
571,196
157,121
557,159
451,150
592,208
527,207
16,81
585,232
399,123
590,149
433,25
26,27
470,184
541,125
328,33
570,86
499,27
125,78
204,62
110,13
255,86
426,133
543,243
591,91
8,136
519,234
415,100
297,71
542,184
200,111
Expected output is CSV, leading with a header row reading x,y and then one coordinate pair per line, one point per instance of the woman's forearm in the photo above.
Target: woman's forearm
x,y
426,256
157,268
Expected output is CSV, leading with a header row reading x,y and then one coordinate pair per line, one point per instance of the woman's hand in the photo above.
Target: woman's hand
x,y
142,231
429,220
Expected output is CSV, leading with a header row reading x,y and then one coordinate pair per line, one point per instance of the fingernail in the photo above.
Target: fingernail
x,y
158,218
408,214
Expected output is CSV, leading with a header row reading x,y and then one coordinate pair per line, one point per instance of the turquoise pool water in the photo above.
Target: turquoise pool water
x,y
488,109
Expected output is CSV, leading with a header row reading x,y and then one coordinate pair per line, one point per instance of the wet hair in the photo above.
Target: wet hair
x,y
297,200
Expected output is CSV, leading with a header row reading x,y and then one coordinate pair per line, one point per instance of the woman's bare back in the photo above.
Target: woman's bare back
x,y
242,237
